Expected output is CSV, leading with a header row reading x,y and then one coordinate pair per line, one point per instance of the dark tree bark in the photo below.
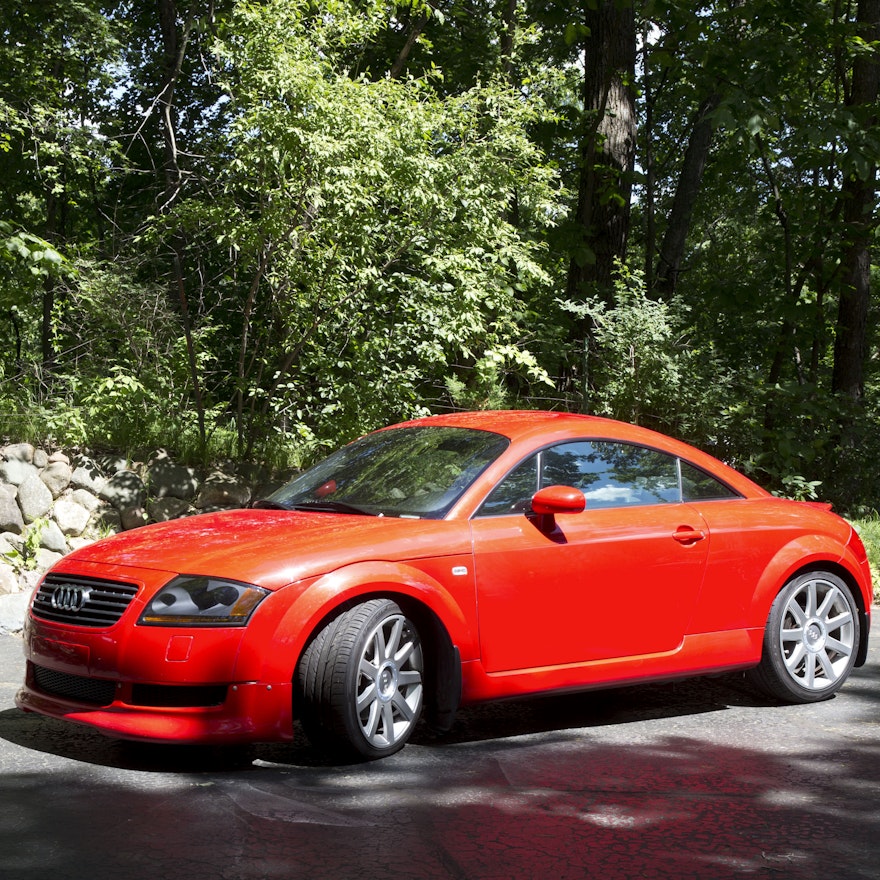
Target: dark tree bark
x,y
607,149
686,192
860,222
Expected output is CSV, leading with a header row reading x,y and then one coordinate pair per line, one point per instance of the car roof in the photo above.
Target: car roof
x,y
554,426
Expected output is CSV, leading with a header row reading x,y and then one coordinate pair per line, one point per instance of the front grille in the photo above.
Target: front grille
x,y
94,691
178,695
81,600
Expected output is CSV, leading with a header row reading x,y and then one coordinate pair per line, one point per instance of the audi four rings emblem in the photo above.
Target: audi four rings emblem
x,y
69,598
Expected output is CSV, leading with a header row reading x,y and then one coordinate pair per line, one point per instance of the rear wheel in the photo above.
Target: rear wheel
x,y
811,639
360,682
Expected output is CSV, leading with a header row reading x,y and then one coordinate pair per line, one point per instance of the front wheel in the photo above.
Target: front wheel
x,y
811,640
360,682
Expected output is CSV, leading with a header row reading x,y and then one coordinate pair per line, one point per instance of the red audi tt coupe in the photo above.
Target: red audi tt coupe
x,y
440,562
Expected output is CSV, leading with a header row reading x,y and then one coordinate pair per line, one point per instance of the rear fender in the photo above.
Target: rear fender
x,y
807,552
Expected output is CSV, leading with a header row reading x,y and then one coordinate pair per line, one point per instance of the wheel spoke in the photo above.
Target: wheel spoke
x,y
371,725
810,670
792,635
838,646
379,649
403,707
393,641
835,623
794,660
824,661
370,694
828,603
811,599
409,677
795,610
388,722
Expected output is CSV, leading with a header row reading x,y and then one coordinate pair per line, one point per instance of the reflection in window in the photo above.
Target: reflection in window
x,y
609,474
697,485
613,474
514,493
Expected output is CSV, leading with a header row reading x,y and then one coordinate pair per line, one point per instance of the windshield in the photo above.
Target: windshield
x,y
408,472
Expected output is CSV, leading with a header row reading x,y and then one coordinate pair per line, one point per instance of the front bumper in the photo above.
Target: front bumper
x,y
249,711
153,683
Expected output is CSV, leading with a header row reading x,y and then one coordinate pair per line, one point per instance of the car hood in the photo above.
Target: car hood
x,y
273,548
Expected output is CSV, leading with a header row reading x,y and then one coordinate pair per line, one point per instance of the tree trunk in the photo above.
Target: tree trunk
x,y
174,45
686,192
859,193
607,148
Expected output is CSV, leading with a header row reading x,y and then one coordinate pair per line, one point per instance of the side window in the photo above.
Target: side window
x,y
609,474
613,474
697,485
514,493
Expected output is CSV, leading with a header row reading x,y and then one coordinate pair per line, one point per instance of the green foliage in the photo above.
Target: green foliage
x,y
24,557
868,528
353,212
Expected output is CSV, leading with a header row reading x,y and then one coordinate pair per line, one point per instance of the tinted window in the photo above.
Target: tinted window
x,y
514,493
414,472
609,474
697,485
613,474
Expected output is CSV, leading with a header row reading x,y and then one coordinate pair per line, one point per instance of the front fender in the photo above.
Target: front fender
x,y
318,598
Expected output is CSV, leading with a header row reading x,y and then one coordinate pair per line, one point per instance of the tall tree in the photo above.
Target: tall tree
x,y
607,145
859,210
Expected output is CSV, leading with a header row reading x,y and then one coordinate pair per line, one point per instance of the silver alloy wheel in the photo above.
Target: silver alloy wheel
x,y
389,682
817,634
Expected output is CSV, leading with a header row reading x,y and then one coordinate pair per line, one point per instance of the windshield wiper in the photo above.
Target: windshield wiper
x,y
267,504
331,507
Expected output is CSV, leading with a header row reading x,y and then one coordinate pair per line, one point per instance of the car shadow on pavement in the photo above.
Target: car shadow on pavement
x,y
488,722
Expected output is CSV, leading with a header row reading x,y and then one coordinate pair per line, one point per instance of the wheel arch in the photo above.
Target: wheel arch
x,y
441,624
790,563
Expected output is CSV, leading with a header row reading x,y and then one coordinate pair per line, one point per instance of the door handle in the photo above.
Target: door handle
x,y
687,536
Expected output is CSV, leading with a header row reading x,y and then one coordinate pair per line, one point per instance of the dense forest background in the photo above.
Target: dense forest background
x,y
257,229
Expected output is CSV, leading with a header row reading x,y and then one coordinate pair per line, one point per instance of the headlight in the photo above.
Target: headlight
x,y
191,600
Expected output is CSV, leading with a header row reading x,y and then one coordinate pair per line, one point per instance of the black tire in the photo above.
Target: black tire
x,y
811,640
360,682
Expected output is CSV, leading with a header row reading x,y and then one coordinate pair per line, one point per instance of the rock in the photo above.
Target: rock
x,y
47,558
105,521
165,509
8,579
11,519
52,538
124,489
13,608
41,459
133,517
167,479
59,456
72,518
86,499
221,490
18,452
87,475
56,476
15,472
34,498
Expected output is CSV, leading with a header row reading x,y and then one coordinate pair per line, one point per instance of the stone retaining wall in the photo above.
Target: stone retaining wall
x,y
53,502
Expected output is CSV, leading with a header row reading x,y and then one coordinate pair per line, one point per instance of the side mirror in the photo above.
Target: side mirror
x,y
551,500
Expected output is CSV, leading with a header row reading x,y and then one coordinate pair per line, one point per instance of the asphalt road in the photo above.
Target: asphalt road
x,y
695,779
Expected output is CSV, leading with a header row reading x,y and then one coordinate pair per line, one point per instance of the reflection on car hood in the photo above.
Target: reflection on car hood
x,y
273,548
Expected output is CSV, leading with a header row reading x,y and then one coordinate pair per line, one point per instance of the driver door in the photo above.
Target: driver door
x,y
619,579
